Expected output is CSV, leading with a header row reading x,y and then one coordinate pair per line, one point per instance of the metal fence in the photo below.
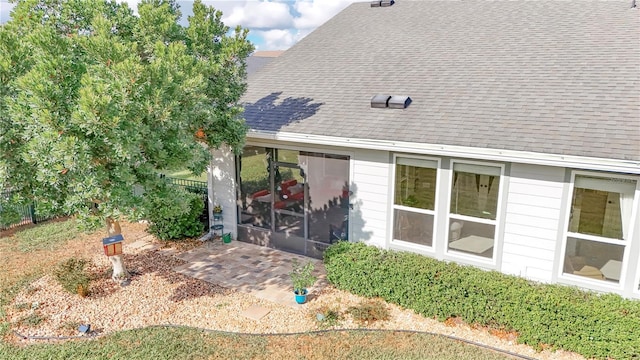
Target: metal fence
x,y
28,214
196,187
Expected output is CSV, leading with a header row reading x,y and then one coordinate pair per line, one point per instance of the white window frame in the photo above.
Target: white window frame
x,y
470,258
626,242
433,212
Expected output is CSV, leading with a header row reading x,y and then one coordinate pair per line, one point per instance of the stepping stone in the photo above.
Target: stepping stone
x,y
138,244
255,312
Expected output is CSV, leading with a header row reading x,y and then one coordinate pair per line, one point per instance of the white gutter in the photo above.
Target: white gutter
x,y
525,157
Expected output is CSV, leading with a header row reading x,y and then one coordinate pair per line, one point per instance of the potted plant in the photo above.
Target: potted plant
x,y
302,278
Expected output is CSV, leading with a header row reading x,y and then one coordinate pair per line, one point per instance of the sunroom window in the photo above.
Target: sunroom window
x,y
414,200
599,226
474,209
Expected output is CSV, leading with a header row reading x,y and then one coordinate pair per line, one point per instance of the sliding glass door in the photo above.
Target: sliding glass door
x,y
293,200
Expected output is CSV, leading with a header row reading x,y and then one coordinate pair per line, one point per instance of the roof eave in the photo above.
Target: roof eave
x,y
524,157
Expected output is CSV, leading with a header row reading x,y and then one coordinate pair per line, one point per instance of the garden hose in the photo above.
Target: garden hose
x,y
451,337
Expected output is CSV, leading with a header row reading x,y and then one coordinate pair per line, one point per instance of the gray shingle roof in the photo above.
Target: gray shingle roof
x,y
259,59
559,77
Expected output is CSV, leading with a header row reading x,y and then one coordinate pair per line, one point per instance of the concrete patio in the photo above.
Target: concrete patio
x,y
253,269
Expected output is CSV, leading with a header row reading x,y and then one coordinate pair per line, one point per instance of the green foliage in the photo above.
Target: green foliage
x,y
72,276
595,325
9,213
369,311
410,200
94,100
174,213
46,236
302,275
328,316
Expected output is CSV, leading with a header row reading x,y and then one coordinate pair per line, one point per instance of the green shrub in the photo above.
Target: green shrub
x,y
72,276
174,213
552,316
328,316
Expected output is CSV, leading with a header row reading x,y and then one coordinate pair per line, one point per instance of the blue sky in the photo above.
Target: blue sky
x,y
273,24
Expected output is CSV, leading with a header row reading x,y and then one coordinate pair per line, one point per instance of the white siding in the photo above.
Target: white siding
x,y
222,190
369,217
532,221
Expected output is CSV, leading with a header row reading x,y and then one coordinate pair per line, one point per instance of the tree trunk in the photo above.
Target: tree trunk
x,y
120,273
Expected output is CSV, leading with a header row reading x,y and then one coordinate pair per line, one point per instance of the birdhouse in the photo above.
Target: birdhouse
x,y
113,245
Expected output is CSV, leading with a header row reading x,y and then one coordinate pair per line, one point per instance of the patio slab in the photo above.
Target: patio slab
x,y
256,312
252,269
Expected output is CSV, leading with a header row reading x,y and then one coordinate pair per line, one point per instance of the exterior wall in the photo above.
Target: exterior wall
x,y
633,287
222,188
533,226
531,229
370,187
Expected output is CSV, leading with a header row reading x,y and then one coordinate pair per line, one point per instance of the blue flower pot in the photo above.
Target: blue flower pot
x,y
301,298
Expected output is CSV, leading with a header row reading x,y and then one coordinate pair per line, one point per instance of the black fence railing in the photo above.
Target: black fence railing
x,y
196,187
28,215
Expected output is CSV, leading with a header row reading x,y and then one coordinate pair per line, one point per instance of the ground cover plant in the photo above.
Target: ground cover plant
x,y
73,277
543,315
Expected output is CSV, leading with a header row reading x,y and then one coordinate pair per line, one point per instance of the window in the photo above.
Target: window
x,y
599,226
473,209
414,200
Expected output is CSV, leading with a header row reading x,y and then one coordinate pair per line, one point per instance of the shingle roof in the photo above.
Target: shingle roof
x,y
259,59
560,77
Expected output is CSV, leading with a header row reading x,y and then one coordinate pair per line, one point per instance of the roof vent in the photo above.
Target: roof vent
x,y
391,102
382,3
399,102
380,101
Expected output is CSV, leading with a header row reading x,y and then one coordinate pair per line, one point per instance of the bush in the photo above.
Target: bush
x,y
369,311
328,316
174,213
552,316
72,276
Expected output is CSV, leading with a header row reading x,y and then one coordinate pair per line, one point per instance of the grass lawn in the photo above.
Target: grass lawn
x,y
180,343
28,254
186,174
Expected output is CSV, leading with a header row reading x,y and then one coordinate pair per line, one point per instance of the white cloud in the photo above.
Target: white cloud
x,y
280,23
133,4
314,13
276,39
260,15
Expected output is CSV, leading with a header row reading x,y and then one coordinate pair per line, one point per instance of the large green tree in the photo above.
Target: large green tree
x,y
94,99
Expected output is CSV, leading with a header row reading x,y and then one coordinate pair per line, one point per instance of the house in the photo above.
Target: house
x,y
258,59
499,134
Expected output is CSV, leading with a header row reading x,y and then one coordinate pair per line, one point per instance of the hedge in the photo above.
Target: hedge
x,y
544,315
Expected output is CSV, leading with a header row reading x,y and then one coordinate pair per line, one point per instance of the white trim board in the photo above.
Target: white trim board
x,y
570,161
